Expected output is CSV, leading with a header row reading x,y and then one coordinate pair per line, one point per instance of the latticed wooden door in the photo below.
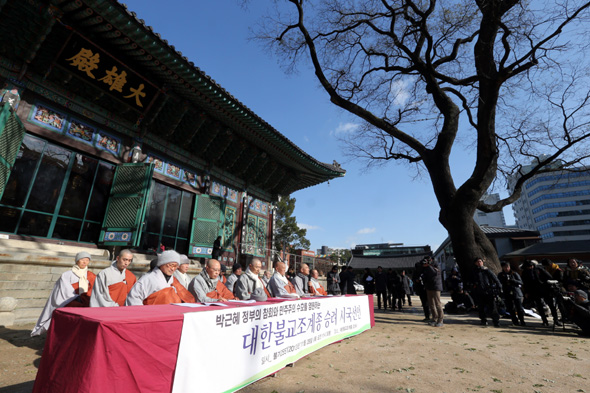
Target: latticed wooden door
x,y
127,205
12,133
207,225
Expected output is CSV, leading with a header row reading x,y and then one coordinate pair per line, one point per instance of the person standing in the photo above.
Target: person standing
x,y
407,286
333,281
368,282
537,290
350,278
343,278
433,284
217,250
419,287
381,287
484,288
511,288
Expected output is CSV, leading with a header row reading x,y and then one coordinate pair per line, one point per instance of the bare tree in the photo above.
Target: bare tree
x,y
506,78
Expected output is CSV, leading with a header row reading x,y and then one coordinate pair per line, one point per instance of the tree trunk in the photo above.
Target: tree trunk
x,y
469,241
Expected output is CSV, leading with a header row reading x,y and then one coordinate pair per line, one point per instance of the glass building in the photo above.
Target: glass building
x,y
557,204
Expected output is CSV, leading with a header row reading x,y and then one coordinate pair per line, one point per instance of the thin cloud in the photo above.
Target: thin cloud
x,y
345,128
399,88
308,227
305,138
365,231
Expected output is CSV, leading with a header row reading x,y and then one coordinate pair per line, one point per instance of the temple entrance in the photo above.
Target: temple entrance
x,y
168,218
53,192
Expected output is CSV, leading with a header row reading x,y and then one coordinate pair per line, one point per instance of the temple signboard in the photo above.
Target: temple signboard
x,y
94,65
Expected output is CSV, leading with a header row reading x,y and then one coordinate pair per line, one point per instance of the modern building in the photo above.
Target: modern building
x,y
394,256
557,204
110,137
493,219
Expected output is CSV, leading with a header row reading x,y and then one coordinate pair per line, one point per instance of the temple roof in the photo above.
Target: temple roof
x,y
193,116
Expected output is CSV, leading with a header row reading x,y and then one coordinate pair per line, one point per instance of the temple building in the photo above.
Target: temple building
x,y
109,137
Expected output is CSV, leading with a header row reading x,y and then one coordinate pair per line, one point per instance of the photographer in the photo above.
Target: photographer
x,y
538,290
511,284
579,310
576,273
484,288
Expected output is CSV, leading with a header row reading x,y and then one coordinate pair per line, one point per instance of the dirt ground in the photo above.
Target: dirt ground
x,y
400,354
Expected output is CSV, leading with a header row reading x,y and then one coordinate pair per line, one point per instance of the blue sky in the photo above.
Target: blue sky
x,y
384,205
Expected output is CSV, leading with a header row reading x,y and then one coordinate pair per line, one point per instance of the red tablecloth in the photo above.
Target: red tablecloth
x,y
119,349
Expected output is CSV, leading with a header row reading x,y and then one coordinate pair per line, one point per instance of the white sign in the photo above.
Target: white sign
x,y
224,350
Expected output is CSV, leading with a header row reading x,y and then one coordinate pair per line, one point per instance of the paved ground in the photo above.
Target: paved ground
x,y
400,354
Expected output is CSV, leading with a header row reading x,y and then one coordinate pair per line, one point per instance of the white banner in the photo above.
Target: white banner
x,y
225,349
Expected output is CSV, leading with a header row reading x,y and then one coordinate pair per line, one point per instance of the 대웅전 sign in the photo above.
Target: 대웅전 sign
x,y
92,64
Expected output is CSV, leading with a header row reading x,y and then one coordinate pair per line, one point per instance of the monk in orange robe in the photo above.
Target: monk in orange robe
x,y
114,283
160,286
315,288
207,286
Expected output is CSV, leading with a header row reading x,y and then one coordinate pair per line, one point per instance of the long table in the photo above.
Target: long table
x,y
170,348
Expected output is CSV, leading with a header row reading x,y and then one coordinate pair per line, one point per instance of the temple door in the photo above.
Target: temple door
x,y
125,213
207,223
12,133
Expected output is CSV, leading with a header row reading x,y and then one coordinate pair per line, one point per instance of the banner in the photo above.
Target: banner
x,y
227,349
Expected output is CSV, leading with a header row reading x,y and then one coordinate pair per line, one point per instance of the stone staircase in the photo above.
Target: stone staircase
x,y
29,270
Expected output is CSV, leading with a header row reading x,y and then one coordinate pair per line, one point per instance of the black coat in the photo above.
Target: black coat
x,y
432,278
511,283
484,282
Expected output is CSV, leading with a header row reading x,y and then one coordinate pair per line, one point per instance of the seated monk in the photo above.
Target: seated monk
x,y
73,289
249,285
207,287
114,283
315,288
160,286
180,273
279,285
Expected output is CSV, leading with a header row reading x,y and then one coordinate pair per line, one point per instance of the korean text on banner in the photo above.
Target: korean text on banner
x,y
260,339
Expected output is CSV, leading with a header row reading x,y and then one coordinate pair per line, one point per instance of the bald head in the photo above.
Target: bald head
x,y
124,259
315,273
213,268
281,267
255,266
304,269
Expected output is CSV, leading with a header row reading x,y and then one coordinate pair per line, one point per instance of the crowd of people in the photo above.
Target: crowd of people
x,y
540,287
564,292
391,288
168,282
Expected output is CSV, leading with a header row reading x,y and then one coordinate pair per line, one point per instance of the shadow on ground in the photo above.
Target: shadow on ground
x,y
25,387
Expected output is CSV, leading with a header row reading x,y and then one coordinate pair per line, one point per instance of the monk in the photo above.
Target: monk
x,y
114,283
315,288
301,280
250,285
159,286
207,286
73,289
180,273
279,285
233,278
